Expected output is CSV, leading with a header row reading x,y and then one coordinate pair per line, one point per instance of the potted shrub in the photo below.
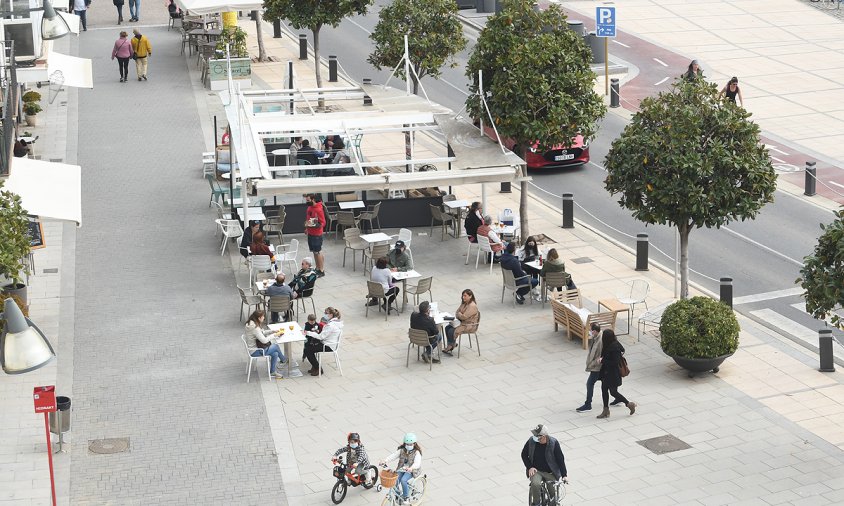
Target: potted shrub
x,y
241,65
15,246
30,109
699,333
31,96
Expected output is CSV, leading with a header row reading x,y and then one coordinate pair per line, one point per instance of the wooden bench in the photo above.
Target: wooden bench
x,y
575,326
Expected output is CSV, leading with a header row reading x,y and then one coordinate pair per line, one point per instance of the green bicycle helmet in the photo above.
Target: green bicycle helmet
x,y
409,438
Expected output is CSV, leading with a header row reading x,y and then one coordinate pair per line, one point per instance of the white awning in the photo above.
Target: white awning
x,y
47,189
200,7
72,71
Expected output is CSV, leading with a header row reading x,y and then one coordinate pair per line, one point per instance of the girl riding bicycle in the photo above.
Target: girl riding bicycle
x,y
409,455
356,458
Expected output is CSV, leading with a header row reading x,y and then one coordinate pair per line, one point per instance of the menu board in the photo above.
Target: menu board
x,y
36,234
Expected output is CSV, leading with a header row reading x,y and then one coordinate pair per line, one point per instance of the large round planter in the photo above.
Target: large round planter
x,y
31,119
699,365
18,289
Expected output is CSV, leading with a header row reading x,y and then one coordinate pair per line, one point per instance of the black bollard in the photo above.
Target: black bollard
x,y
825,350
303,46
277,29
727,291
505,187
568,210
253,15
367,80
642,252
615,97
811,179
367,100
332,69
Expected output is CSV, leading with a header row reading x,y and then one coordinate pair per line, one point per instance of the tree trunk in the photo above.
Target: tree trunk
x,y
415,80
318,65
684,230
262,51
523,198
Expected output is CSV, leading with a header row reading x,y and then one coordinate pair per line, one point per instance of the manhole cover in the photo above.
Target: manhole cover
x,y
107,446
58,160
53,270
582,260
664,444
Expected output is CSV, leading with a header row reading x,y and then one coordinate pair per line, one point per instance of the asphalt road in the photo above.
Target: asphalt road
x,y
762,256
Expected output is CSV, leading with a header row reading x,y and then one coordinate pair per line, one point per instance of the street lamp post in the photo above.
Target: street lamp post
x,y
53,25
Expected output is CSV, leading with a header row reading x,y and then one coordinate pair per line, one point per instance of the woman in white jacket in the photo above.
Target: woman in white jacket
x,y
254,330
326,340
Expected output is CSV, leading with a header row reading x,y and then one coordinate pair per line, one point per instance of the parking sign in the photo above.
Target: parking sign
x,y
605,21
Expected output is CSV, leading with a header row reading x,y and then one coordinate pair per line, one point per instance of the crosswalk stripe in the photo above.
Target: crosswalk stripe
x,y
776,294
787,325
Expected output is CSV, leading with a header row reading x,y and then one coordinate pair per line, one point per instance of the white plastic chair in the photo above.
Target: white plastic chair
x,y
335,353
483,247
254,360
259,263
405,235
291,250
230,229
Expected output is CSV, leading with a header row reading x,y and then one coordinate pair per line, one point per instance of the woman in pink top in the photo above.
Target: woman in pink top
x,y
123,51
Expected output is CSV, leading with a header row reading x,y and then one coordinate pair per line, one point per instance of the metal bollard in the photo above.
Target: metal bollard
x,y
727,291
303,46
277,29
332,69
505,187
568,210
367,80
811,181
825,350
367,100
615,97
642,252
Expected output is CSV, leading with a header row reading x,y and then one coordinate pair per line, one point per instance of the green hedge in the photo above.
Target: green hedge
x,y
699,327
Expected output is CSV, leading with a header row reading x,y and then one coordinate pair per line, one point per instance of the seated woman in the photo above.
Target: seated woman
x,y
555,264
323,341
254,330
528,253
382,274
468,315
473,220
258,247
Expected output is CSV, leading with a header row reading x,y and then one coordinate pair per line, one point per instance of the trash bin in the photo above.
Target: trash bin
x,y
596,45
60,419
479,6
576,26
489,5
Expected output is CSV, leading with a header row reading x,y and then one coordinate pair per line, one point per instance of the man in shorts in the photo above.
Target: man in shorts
x,y
314,225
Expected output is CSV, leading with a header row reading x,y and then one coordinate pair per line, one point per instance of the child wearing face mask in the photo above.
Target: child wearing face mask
x,y
356,457
409,465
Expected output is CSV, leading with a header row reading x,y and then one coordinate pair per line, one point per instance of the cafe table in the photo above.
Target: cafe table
x,y
440,320
255,214
403,277
292,334
376,238
355,204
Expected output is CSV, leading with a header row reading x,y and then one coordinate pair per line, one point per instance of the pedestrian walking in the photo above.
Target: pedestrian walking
x,y
134,10
123,52
314,226
731,91
544,461
80,8
693,72
119,5
611,355
593,365
142,51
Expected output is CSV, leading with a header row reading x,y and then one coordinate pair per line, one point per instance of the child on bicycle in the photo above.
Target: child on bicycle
x,y
409,455
356,458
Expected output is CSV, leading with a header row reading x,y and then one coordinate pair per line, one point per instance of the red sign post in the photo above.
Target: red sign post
x,y
45,402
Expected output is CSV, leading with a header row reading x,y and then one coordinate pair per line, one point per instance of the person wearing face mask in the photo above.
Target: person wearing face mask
x,y
409,455
593,365
544,461
356,458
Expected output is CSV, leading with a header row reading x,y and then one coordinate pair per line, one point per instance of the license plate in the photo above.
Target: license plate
x,y
567,156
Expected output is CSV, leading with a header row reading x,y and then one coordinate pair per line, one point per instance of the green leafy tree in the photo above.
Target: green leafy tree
x,y
14,231
822,275
690,159
313,15
434,33
537,81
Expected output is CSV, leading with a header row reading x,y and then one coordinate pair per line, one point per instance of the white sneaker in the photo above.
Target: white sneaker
x,y
277,375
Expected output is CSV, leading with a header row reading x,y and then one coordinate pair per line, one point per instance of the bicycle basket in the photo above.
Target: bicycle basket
x,y
388,478
338,472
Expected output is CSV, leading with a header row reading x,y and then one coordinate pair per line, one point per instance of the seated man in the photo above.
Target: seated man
x,y
278,289
398,259
421,320
304,280
510,261
309,154
494,241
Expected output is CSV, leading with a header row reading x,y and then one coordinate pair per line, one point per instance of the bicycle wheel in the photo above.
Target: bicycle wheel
x,y
417,491
388,500
371,477
338,493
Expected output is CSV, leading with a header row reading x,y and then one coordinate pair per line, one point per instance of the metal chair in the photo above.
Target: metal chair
x,y
471,330
230,229
307,294
554,281
280,304
637,294
274,226
375,252
345,219
370,215
335,352
420,339
457,214
330,213
485,248
376,291
354,243
444,220
216,191
422,286
511,283
249,301
254,360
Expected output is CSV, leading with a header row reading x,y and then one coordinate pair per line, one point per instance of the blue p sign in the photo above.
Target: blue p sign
x,y
605,21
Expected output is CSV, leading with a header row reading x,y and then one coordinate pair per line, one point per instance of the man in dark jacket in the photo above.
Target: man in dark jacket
x,y
421,320
511,262
544,461
278,289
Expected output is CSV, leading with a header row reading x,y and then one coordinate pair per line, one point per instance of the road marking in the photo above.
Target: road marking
x,y
837,184
786,325
800,306
774,148
660,62
776,294
357,25
620,43
766,248
662,81
777,159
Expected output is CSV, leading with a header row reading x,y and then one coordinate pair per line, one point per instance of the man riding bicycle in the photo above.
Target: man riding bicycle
x,y
356,458
543,461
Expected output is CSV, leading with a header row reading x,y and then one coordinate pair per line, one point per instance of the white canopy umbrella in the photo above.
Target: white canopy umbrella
x,y
201,7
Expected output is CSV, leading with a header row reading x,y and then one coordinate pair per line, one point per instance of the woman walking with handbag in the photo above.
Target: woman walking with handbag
x,y
122,51
611,357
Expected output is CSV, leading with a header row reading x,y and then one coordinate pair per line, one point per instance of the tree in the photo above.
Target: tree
x,y
259,33
15,245
313,15
434,33
690,159
537,81
822,275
